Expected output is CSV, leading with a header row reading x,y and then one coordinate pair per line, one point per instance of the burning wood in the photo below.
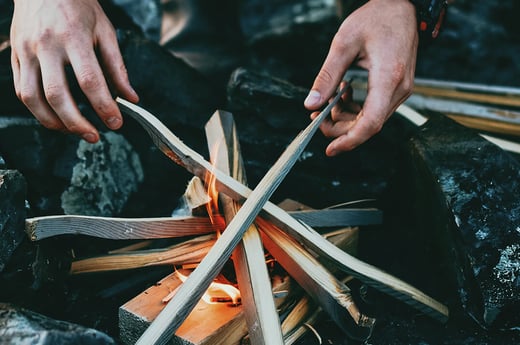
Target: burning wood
x,y
184,156
248,257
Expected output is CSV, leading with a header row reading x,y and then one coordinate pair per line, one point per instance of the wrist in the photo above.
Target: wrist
x,y
430,16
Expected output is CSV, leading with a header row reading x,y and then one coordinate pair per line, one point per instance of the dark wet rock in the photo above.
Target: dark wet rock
x,y
24,327
103,178
269,113
12,213
65,174
466,199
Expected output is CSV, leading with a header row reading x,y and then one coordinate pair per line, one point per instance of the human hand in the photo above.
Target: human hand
x,y
46,36
381,37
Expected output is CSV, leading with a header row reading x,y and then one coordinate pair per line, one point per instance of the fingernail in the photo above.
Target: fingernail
x,y
114,122
313,98
89,137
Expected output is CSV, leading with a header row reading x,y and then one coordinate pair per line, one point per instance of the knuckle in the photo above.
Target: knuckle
x,y
88,80
27,95
54,94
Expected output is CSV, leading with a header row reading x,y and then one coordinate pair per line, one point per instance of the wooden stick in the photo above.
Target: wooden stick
x,y
120,228
176,150
185,299
248,257
38,228
480,93
333,296
191,251
339,217
419,120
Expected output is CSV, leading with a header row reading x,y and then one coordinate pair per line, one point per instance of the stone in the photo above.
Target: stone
x,y
24,327
104,177
466,198
12,213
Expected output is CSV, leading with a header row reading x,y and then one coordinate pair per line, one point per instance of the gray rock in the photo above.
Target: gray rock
x,y
12,213
106,174
23,327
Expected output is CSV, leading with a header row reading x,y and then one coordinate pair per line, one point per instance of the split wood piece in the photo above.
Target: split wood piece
x,y
333,296
180,153
479,93
418,119
208,324
120,228
193,288
478,116
191,251
38,228
248,257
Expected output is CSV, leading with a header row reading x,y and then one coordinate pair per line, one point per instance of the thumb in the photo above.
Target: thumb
x,y
338,60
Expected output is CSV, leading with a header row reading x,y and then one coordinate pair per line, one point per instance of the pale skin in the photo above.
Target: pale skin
x,y
381,37
47,35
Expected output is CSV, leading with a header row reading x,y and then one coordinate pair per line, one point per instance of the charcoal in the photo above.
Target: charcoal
x,y
466,192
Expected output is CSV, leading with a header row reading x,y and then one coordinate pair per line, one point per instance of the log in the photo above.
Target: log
x,y
248,258
184,300
207,324
195,163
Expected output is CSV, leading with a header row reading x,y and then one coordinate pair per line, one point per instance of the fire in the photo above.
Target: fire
x,y
216,292
211,184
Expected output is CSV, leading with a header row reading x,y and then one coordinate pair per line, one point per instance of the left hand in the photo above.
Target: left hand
x,y
381,37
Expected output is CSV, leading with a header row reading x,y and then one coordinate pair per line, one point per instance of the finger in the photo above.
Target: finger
x,y
59,98
31,94
15,67
378,106
114,67
93,83
339,58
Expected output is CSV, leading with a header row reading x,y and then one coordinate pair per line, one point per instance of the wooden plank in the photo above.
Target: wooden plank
x,y
180,153
248,258
339,217
208,323
38,228
191,251
185,299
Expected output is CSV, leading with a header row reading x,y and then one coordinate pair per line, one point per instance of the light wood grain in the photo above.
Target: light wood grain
x,y
39,228
248,257
184,300
195,163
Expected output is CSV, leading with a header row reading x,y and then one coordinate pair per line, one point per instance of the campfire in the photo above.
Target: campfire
x,y
298,274
316,263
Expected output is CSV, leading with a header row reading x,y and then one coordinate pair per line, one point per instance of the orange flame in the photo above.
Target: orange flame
x,y
216,292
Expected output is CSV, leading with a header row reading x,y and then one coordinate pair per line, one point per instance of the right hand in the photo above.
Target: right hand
x,y
46,36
